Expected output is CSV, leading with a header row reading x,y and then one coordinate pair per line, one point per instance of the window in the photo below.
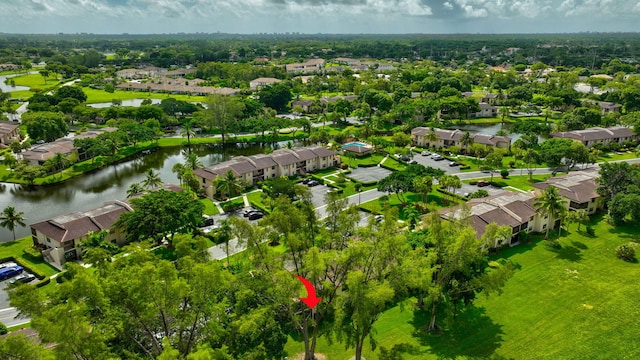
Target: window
x,y
544,226
273,167
546,216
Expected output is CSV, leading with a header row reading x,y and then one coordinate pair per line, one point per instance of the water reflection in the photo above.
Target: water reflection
x,y
110,183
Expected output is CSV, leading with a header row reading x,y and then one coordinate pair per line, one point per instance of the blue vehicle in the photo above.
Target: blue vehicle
x,y
10,272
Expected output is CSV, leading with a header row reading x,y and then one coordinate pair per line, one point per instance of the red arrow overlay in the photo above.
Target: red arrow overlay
x,y
311,300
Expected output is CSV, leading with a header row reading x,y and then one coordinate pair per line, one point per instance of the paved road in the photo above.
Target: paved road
x,y
9,317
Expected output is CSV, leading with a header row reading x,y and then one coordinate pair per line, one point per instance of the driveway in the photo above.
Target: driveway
x,y
369,174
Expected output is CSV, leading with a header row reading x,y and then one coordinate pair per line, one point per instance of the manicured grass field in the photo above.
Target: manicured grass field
x,y
518,181
15,249
394,164
578,302
209,207
367,160
36,81
101,96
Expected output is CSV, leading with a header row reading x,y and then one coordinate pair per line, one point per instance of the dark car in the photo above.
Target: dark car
x,y
255,215
306,181
248,212
482,183
313,183
10,272
453,163
413,162
23,278
207,222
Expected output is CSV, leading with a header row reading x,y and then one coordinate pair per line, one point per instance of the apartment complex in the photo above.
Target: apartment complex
x,y
254,168
439,138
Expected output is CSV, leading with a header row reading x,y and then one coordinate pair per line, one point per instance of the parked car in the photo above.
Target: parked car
x,y
247,212
482,183
413,162
8,264
23,278
10,272
438,158
207,222
397,156
425,153
306,181
453,163
313,183
256,215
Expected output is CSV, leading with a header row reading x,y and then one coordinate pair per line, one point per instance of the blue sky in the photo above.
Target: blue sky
x,y
318,16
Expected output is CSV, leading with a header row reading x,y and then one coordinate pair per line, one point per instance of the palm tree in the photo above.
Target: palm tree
x,y
10,218
193,162
551,204
228,184
152,180
578,216
188,131
546,112
97,251
134,189
503,111
179,169
466,140
431,136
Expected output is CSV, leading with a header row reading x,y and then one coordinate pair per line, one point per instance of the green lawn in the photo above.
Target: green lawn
x,y
435,201
255,198
394,164
367,160
36,81
579,302
518,181
209,207
101,96
15,249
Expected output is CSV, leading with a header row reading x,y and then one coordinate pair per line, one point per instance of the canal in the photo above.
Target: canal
x,y
110,183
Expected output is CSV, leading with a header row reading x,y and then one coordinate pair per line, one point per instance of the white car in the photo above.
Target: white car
x,y
8,265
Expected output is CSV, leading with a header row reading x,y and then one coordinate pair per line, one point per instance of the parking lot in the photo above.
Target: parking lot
x,y
369,174
443,164
7,313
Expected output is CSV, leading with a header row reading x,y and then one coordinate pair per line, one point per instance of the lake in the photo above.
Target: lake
x,y
8,88
110,183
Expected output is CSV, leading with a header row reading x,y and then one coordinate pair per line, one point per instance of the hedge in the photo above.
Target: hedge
x,y
25,266
33,254
451,194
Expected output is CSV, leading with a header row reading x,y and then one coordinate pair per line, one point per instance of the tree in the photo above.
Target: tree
x,y
97,251
45,125
457,263
228,184
10,218
221,112
503,111
152,180
159,214
29,173
531,158
423,185
188,131
192,162
493,162
578,216
135,189
466,140
74,92
550,203
276,96
616,178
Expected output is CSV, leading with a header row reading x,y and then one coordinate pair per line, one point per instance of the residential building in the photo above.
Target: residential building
x,y
597,135
605,107
176,86
579,187
9,132
488,98
346,61
59,237
513,209
41,153
311,65
141,73
262,82
254,168
516,209
439,138
486,110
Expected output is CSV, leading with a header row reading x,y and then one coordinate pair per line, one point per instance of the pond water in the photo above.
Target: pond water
x,y
110,183
492,129
132,102
8,88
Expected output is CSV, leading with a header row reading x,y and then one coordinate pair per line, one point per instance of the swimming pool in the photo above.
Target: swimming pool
x,y
354,143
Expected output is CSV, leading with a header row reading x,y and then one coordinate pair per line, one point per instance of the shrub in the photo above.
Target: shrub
x,y
504,173
3,329
591,231
512,164
626,252
34,255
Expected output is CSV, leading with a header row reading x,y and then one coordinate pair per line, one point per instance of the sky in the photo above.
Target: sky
x,y
318,16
